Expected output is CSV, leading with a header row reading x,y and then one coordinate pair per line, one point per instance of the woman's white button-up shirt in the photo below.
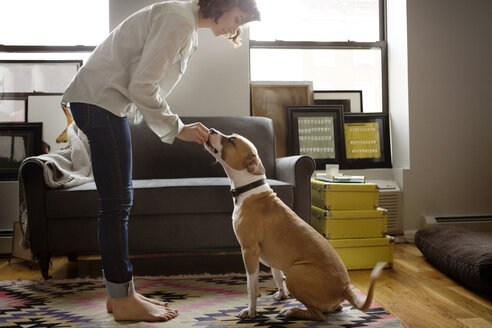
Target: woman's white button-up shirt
x,y
138,65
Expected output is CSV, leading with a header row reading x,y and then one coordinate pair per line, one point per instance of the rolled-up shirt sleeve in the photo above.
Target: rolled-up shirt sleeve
x,y
166,39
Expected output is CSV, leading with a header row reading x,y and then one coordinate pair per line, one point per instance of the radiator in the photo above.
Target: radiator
x,y
471,222
391,199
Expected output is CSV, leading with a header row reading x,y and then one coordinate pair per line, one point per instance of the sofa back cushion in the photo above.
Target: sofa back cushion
x,y
154,159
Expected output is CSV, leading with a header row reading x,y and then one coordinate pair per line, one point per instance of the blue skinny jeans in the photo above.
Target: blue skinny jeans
x,y
111,156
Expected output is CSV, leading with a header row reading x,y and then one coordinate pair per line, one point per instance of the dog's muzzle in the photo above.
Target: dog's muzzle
x,y
209,145
211,148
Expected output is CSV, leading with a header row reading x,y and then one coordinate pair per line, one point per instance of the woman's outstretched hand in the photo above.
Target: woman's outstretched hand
x,y
196,132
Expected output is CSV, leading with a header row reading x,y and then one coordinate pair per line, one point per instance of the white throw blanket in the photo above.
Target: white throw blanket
x,y
62,169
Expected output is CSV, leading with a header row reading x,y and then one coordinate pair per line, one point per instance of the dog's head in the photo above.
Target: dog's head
x,y
235,153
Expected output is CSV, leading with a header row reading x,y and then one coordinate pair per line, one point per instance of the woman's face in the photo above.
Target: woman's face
x,y
229,22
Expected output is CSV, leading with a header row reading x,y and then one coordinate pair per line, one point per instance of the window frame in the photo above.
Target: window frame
x,y
354,45
45,49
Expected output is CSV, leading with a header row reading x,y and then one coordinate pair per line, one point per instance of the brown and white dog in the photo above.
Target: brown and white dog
x,y
270,232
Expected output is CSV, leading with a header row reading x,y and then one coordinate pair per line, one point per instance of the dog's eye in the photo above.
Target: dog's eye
x,y
231,140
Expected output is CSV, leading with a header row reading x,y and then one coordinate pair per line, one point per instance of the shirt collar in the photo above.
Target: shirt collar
x,y
196,8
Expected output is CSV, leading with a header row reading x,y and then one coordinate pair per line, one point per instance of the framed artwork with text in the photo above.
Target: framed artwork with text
x,y
316,131
366,141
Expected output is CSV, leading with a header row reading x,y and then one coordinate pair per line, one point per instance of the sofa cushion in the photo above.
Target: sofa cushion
x,y
158,196
154,159
462,254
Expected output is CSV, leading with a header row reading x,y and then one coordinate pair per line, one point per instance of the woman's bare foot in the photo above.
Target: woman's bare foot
x,y
138,308
109,302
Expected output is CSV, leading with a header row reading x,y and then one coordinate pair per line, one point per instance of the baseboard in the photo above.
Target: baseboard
x,y
478,223
409,235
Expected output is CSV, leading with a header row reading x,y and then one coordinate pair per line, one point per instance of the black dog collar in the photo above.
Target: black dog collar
x,y
236,192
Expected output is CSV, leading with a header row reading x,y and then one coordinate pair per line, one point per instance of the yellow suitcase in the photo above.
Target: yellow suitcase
x,y
350,224
344,196
364,253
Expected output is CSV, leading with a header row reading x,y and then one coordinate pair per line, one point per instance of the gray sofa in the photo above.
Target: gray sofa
x,y
182,200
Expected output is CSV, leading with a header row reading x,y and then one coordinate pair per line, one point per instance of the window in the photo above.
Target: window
x,y
42,45
336,44
52,30
53,22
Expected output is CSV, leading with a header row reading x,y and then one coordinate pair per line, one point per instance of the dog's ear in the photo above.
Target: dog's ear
x,y
254,165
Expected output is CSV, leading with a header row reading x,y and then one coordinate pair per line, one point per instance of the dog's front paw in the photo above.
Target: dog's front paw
x,y
285,312
246,313
280,295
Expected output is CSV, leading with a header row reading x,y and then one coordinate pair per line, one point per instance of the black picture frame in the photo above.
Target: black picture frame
x,y
319,126
366,141
350,99
345,103
17,142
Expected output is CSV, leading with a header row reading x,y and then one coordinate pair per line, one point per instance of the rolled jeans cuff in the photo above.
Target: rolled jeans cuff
x,y
119,290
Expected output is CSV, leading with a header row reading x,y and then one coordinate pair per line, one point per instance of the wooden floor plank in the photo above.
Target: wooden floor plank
x,y
475,323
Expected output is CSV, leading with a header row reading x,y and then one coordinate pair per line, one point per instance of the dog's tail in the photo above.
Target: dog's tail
x,y
350,295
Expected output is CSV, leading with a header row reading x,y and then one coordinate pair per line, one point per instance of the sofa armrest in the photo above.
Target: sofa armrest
x,y
32,179
297,170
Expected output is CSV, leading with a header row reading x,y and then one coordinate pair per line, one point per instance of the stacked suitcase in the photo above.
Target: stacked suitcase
x,y
347,214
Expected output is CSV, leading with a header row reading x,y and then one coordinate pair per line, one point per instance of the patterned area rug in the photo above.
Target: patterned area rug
x,y
202,301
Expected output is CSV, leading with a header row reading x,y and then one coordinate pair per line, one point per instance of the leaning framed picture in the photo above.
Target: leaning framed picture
x,y
366,141
316,131
17,142
55,118
270,99
37,76
351,99
12,110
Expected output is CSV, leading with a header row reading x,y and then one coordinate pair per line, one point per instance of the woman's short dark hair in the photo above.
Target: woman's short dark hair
x,y
216,8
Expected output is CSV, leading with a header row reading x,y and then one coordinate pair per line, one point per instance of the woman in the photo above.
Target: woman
x,y
134,70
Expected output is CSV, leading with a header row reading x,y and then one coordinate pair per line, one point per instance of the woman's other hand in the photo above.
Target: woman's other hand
x,y
196,132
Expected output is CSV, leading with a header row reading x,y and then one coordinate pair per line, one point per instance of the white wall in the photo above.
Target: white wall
x,y
398,82
450,109
216,82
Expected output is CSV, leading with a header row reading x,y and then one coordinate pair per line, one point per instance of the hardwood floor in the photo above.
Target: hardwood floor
x,y
422,296
413,290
